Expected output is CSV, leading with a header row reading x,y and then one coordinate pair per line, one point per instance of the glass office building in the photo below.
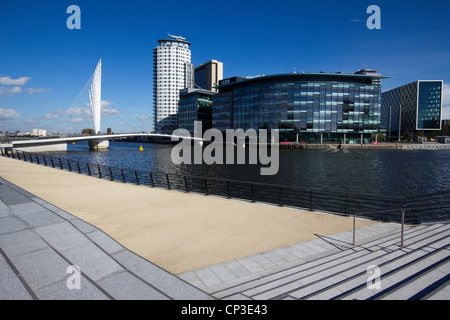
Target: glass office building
x,y
414,107
304,107
195,105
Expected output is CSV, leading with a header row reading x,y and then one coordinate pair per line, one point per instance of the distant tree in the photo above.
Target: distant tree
x,y
89,132
433,135
407,135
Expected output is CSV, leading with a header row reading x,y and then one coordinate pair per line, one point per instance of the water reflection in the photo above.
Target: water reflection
x,y
384,172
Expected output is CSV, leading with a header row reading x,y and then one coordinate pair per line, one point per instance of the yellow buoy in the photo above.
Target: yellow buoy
x,y
141,149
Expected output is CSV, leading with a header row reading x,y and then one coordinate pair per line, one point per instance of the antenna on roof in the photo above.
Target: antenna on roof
x,y
176,37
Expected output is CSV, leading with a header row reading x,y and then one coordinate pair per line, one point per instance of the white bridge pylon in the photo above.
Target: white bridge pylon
x,y
95,97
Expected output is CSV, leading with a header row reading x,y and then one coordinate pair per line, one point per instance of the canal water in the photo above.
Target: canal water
x,y
380,172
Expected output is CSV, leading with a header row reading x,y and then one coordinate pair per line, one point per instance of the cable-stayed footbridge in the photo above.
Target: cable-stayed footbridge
x,y
96,141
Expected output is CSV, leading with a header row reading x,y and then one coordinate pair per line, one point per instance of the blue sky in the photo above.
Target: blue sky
x,y
44,65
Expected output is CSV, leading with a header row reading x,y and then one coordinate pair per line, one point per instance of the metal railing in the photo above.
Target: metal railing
x,y
424,208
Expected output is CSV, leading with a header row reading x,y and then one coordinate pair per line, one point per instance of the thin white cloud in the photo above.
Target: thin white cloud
x,y
10,90
81,114
35,91
51,116
143,117
109,111
75,111
77,120
8,114
7,81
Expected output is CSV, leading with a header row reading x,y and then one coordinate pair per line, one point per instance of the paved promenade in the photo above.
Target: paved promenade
x,y
40,242
55,224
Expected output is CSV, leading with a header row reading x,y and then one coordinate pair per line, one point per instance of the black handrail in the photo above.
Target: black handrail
x,y
376,207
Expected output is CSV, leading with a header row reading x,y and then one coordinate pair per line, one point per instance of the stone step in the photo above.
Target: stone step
x,y
306,283
357,281
320,266
355,286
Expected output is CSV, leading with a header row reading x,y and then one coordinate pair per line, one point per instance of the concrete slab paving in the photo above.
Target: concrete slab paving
x,y
39,243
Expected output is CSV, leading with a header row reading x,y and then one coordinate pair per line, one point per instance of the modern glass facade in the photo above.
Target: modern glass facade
x,y
318,107
195,105
416,106
429,105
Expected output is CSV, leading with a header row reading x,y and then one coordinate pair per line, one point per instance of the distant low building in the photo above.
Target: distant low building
x,y
444,140
39,132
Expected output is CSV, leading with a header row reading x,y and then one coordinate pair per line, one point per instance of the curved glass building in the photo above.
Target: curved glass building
x,y
304,107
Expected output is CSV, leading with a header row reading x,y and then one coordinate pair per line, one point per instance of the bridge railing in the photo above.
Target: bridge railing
x,y
420,209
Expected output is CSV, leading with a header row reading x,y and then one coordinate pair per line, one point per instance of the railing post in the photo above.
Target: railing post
x,y
45,161
51,159
168,182
123,176
151,180
68,165
99,172
280,203
111,174
253,193
403,228
31,158
137,178
186,184
78,166
60,163
345,204
12,153
88,169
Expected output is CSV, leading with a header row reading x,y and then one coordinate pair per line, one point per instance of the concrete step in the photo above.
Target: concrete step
x,y
283,280
355,285
308,283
